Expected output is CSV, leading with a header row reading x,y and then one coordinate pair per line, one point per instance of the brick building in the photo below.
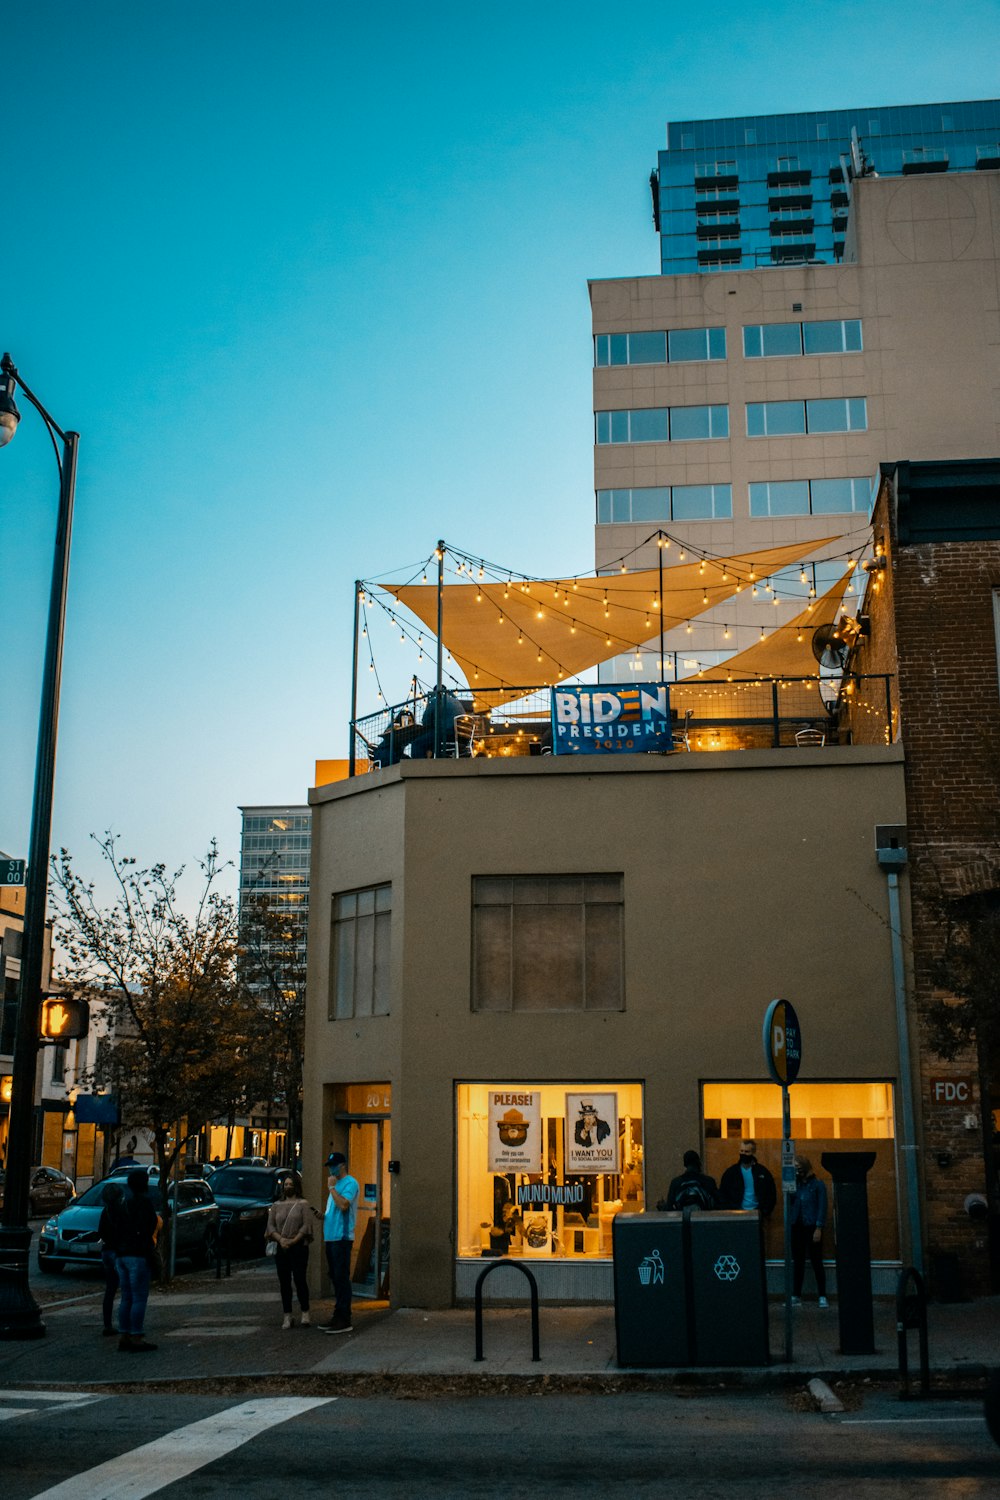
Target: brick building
x,y
933,602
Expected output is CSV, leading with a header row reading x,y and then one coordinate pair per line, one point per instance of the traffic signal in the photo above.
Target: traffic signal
x,y
63,1018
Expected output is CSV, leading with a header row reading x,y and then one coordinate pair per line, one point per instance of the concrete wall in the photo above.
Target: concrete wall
x,y
746,876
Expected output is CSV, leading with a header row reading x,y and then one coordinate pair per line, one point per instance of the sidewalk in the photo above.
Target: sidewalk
x,y
230,1330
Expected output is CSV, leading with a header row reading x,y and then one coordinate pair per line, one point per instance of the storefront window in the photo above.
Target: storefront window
x,y
544,1168
825,1117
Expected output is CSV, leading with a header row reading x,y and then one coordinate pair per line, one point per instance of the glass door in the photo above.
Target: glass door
x,y
368,1157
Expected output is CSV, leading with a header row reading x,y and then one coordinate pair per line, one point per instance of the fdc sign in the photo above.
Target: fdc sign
x,y
951,1090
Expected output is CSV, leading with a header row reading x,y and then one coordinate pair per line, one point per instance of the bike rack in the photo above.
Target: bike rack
x,y
911,1312
515,1265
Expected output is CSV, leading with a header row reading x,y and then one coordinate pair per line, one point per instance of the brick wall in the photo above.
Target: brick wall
x,y
936,608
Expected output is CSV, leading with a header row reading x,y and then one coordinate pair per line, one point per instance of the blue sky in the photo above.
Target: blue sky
x,y
312,285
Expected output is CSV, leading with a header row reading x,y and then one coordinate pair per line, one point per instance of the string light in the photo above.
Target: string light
x,y
725,632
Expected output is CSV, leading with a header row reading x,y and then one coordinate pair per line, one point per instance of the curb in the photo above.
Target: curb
x,y
466,1383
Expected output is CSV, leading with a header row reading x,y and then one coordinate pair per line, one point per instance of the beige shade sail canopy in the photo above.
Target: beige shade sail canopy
x,y
786,651
508,636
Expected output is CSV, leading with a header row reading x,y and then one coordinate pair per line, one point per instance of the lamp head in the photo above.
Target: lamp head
x,y
9,414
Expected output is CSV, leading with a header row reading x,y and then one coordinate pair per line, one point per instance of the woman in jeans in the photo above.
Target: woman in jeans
x,y
111,1197
290,1227
135,1226
808,1211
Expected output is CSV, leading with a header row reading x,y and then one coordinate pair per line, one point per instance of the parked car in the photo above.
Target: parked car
x,y
244,1196
48,1190
246,1161
70,1238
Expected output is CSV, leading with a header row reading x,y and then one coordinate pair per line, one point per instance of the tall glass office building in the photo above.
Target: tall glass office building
x,y
274,860
771,189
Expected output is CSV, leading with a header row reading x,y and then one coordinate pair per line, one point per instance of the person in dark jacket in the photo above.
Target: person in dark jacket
x,y
746,1184
808,1215
111,1197
134,1229
692,1189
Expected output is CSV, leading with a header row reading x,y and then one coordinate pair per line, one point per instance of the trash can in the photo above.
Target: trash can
x,y
650,1292
728,1288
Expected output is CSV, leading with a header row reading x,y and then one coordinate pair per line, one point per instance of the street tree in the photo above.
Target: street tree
x,y
273,966
179,1024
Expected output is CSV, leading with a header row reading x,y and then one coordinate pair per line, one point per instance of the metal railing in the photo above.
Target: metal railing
x,y
742,714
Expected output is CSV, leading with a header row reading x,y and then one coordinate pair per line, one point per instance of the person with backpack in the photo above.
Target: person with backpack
x,y
692,1189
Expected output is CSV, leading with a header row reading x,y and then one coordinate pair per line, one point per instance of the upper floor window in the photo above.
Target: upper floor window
x,y
663,424
804,497
764,340
680,502
359,953
788,418
548,942
674,345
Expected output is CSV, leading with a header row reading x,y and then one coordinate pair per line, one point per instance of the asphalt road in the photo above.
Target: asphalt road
x,y
724,1446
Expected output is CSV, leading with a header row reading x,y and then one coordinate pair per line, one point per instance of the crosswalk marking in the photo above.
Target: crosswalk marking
x,y
144,1470
48,1403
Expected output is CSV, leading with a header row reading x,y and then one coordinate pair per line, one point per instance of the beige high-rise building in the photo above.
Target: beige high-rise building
x,y
748,408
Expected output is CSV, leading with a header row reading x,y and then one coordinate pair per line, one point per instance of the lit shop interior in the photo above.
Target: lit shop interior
x,y
528,1188
544,1168
825,1117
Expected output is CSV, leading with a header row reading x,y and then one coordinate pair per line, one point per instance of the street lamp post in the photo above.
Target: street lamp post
x,y
20,1317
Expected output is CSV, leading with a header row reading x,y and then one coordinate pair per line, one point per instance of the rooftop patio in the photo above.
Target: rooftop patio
x,y
692,716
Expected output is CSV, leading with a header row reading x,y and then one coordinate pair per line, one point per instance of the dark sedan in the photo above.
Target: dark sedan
x,y
244,1196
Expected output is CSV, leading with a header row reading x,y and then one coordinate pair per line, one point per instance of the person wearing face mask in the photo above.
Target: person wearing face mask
x,y
290,1228
748,1184
808,1211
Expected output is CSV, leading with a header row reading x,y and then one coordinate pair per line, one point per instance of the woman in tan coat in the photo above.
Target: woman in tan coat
x,y
290,1229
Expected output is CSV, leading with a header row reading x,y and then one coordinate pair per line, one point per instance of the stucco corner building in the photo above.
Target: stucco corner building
x,y
503,952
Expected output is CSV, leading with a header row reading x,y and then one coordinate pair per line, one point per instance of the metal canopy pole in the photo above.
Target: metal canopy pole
x,y
659,557
352,750
439,689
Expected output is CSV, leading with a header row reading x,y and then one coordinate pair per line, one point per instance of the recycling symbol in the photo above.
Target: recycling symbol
x,y
727,1268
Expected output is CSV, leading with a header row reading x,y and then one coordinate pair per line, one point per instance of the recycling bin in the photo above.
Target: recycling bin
x,y
728,1288
651,1324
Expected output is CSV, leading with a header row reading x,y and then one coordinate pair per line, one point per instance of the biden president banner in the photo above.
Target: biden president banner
x,y
590,718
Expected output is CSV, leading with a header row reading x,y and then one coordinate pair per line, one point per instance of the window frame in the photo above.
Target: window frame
x,y
488,940
378,1001
604,345
620,419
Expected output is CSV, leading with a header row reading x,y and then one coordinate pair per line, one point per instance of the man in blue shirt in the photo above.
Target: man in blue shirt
x,y
338,1239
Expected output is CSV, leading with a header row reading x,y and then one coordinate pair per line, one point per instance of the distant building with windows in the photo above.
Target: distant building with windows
x,y
274,854
751,409
770,189
274,858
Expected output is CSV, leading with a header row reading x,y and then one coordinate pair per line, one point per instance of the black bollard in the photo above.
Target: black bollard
x,y
849,1170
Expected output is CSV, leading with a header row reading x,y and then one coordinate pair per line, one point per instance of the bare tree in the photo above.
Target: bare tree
x,y
181,1026
273,965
